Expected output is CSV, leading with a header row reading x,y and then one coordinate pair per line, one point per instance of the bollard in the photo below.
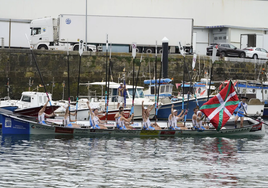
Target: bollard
x,y
165,57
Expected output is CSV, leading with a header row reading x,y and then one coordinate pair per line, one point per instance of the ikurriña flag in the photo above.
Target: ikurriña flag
x,y
220,108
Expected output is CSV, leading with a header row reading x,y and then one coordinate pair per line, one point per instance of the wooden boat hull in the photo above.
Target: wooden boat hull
x,y
16,125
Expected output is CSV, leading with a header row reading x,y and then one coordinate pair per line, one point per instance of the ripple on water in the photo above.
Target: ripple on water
x,y
133,162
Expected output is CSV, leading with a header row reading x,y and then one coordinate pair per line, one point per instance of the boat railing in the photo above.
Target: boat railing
x,y
5,98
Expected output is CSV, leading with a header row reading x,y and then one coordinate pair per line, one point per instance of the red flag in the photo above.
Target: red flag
x,y
220,108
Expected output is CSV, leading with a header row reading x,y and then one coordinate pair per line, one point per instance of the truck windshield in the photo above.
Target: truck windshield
x,y
35,31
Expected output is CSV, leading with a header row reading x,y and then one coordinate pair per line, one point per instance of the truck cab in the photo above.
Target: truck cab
x,y
42,33
45,36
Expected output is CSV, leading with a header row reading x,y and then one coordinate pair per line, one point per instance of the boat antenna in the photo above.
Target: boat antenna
x,y
38,70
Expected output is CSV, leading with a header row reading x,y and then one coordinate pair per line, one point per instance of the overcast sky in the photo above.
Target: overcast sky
x,y
250,13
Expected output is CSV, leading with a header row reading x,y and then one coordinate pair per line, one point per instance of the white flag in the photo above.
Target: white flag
x,y
81,47
134,47
194,61
214,53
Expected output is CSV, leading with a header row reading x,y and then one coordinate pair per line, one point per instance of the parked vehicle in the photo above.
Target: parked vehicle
x,y
46,34
256,53
225,49
51,33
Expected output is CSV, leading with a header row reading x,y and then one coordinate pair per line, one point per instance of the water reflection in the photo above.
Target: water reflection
x,y
42,161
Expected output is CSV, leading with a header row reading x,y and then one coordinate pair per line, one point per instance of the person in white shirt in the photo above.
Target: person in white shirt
x,y
174,118
42,114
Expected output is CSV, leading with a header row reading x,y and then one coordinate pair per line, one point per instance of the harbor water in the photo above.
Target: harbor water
x,y
46,161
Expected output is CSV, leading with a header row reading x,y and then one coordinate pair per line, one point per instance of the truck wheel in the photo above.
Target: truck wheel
x,y
76,48
242,55
42,47
149,50
255,56
89,49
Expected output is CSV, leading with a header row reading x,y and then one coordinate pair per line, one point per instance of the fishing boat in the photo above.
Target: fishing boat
x,y
257,94
165,88
197,98
113,87
30,104
13,124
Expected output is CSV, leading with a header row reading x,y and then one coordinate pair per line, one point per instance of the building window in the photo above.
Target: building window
x,y
215,38
224,37
220,38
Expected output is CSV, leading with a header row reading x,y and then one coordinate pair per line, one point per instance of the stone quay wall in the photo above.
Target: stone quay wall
x,y
19,66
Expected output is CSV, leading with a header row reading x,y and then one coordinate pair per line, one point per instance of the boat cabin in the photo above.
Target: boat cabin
x,y
165,88
32,99
252,89
113,91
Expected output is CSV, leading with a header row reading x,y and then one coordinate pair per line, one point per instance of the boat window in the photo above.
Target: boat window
x,y
162,89
44,99
140,92
40,99
36,31
152,89
130,92
26,98
253,90
265,91
167,89
113,94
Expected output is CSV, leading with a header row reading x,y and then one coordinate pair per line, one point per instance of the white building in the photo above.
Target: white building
x,y
214,20
223,34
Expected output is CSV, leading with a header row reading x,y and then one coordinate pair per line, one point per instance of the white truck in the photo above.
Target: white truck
x,y
12,33
47,34
254,40
122,31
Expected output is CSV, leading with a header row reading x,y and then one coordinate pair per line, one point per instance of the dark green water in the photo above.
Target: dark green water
x,y
133,162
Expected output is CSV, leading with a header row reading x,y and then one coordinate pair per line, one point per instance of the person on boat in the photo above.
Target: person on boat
x,y
95,122
241,111
121,99
42,114
120,121
194,117
118,113
197,119
174,118
67,121
147,125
